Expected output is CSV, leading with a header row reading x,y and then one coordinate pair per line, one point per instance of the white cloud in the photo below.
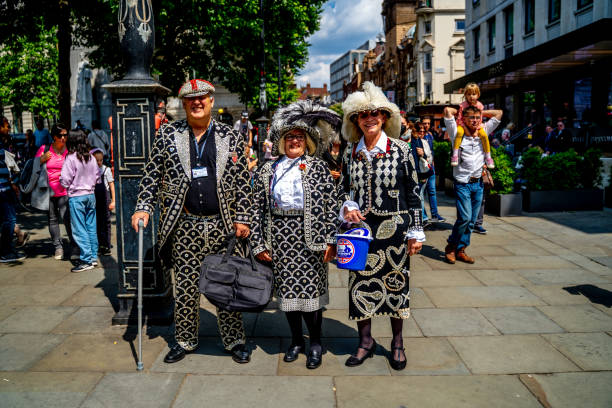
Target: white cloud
x,y
345,26
316,72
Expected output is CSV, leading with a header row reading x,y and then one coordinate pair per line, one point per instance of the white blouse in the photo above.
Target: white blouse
x,y
288,193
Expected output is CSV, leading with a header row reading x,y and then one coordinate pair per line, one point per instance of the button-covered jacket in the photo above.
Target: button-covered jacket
x,y
167,177
385,186
320,206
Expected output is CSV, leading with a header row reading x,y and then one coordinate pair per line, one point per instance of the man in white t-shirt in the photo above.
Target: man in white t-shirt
x,y
245,128
468,177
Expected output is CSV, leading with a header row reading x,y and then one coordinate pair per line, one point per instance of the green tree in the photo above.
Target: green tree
x,y
215,39
28,73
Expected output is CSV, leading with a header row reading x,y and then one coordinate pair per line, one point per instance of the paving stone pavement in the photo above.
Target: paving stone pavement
x,y
528,325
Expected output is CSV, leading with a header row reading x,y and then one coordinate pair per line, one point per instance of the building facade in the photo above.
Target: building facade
x,y
341,70
541,61
438,49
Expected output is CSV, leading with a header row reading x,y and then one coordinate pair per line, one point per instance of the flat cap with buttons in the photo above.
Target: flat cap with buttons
x,y
196,87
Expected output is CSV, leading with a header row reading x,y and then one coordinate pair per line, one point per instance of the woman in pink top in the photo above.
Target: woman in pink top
x,y
79,176
58,200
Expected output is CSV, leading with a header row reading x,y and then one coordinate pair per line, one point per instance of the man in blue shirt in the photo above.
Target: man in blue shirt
x,y
41,135
430,185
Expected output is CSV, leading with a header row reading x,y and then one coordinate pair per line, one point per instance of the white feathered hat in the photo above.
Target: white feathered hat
x,y
320,124
371,98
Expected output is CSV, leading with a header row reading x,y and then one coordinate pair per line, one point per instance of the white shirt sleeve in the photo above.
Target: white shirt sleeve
x,y
491,125
350,206
451,128
418,235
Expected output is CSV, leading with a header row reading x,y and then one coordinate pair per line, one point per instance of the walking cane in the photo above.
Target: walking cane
x,y
140,262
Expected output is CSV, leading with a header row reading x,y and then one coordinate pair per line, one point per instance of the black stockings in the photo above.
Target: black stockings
x,y
398,341
313,321
366,340
365,337
295,324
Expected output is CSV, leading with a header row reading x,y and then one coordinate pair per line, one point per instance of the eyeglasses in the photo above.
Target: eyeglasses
x,y
473,117
299,138
365,114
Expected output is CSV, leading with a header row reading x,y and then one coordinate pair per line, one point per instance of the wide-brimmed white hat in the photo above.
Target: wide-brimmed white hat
x,y
369,99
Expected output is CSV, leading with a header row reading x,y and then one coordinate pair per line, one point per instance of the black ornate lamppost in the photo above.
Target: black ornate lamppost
x,y
133,130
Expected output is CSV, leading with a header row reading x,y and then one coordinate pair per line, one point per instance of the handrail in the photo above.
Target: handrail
x,y
519,134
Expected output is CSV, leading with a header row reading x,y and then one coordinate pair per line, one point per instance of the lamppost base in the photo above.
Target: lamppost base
x,y
157,311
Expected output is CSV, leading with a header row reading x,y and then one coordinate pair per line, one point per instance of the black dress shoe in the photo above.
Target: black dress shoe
x,y
293,352
314,359
176,353
353,361
241,354
397,364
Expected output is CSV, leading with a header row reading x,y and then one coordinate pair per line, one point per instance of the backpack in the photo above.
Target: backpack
x,y
28,178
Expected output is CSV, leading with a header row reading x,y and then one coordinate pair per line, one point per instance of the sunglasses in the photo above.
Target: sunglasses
x,y
365,114
299,138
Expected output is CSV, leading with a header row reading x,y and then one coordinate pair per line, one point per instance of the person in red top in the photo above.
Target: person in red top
x,y
58,200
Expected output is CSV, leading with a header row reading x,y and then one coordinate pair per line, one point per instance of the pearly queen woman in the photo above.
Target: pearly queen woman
x,y
379,188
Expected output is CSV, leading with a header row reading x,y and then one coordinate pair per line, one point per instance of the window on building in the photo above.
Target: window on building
x,y
491,34
427,61
529,16
554,10
476,34
583,3
428,91
460,25
509,23
427,26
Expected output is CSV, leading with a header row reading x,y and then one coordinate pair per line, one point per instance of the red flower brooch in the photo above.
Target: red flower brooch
x,y
302,166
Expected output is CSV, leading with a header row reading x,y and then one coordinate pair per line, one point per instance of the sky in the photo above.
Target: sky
x,y
345,25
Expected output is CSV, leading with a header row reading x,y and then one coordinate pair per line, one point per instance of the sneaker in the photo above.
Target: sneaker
x,y
439,218
478,229
94,263
82,266
59,254
12,257
24,239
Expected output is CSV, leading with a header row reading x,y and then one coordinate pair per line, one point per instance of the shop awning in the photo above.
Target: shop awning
x,y
585,45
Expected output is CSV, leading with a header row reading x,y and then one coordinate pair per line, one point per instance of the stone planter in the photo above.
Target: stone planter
x,y
567,200
503,205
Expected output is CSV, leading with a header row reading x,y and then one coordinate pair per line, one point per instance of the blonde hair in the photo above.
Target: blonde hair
x,y
310,144
471,88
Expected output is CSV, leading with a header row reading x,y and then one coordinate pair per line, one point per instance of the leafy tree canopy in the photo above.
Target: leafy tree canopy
x,y
28,72
215,39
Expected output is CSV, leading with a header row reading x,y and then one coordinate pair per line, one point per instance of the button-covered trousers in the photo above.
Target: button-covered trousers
x,y
194,239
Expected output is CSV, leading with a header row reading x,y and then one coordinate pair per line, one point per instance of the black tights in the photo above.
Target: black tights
x,y
366,340
313,321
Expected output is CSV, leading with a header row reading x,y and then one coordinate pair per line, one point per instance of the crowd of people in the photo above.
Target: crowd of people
x,y
321,174
63,173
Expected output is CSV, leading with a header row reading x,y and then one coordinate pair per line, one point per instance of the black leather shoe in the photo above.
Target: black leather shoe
x,y
176,353
397,364
293,352
241,354
353,361
314,359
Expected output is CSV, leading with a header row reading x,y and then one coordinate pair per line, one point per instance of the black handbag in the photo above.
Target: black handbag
x,y
234,283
